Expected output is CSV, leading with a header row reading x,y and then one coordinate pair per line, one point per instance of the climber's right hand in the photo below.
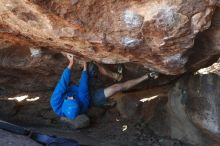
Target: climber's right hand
x,y
70,57
84,65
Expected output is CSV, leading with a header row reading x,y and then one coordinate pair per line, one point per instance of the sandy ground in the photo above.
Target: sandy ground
x,y
107,128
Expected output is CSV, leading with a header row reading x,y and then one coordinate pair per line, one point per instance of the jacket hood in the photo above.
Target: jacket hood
x,y
70,108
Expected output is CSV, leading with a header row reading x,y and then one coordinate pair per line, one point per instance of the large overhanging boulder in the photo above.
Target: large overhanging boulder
x,y
156,34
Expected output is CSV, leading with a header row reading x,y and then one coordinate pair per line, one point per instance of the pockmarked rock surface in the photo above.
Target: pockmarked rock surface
x,y
155,34
192,112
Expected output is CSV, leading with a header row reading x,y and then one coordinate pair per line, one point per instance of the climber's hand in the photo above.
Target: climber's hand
x,y
70,57
84,65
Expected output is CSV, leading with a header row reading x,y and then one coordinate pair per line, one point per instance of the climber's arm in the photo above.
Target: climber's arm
x,y
59,92
84,89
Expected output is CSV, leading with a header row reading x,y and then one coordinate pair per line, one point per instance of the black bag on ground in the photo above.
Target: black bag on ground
x,y
13,128
46,140
53,140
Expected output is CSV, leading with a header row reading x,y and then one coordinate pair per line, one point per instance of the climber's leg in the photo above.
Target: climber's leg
x,y
108,73
109,91
98,97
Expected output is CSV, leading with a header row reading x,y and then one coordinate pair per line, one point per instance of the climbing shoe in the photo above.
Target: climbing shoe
x,y
92,70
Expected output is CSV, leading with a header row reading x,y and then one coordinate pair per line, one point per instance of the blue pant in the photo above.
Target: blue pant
x,y
98,97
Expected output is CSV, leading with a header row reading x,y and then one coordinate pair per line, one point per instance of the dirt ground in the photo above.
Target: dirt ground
x,y
122,125
107,127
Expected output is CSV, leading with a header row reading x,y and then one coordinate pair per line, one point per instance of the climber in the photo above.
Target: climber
x,y
72,100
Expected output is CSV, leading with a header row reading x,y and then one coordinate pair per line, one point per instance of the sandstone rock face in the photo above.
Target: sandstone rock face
x,y
156,34
192,113
203,104
206,45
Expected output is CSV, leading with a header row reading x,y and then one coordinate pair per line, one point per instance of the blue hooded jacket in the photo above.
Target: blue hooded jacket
x,y
59,103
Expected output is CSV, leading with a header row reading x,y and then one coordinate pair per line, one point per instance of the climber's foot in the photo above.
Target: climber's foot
x,y
120,69
154,75
117,76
